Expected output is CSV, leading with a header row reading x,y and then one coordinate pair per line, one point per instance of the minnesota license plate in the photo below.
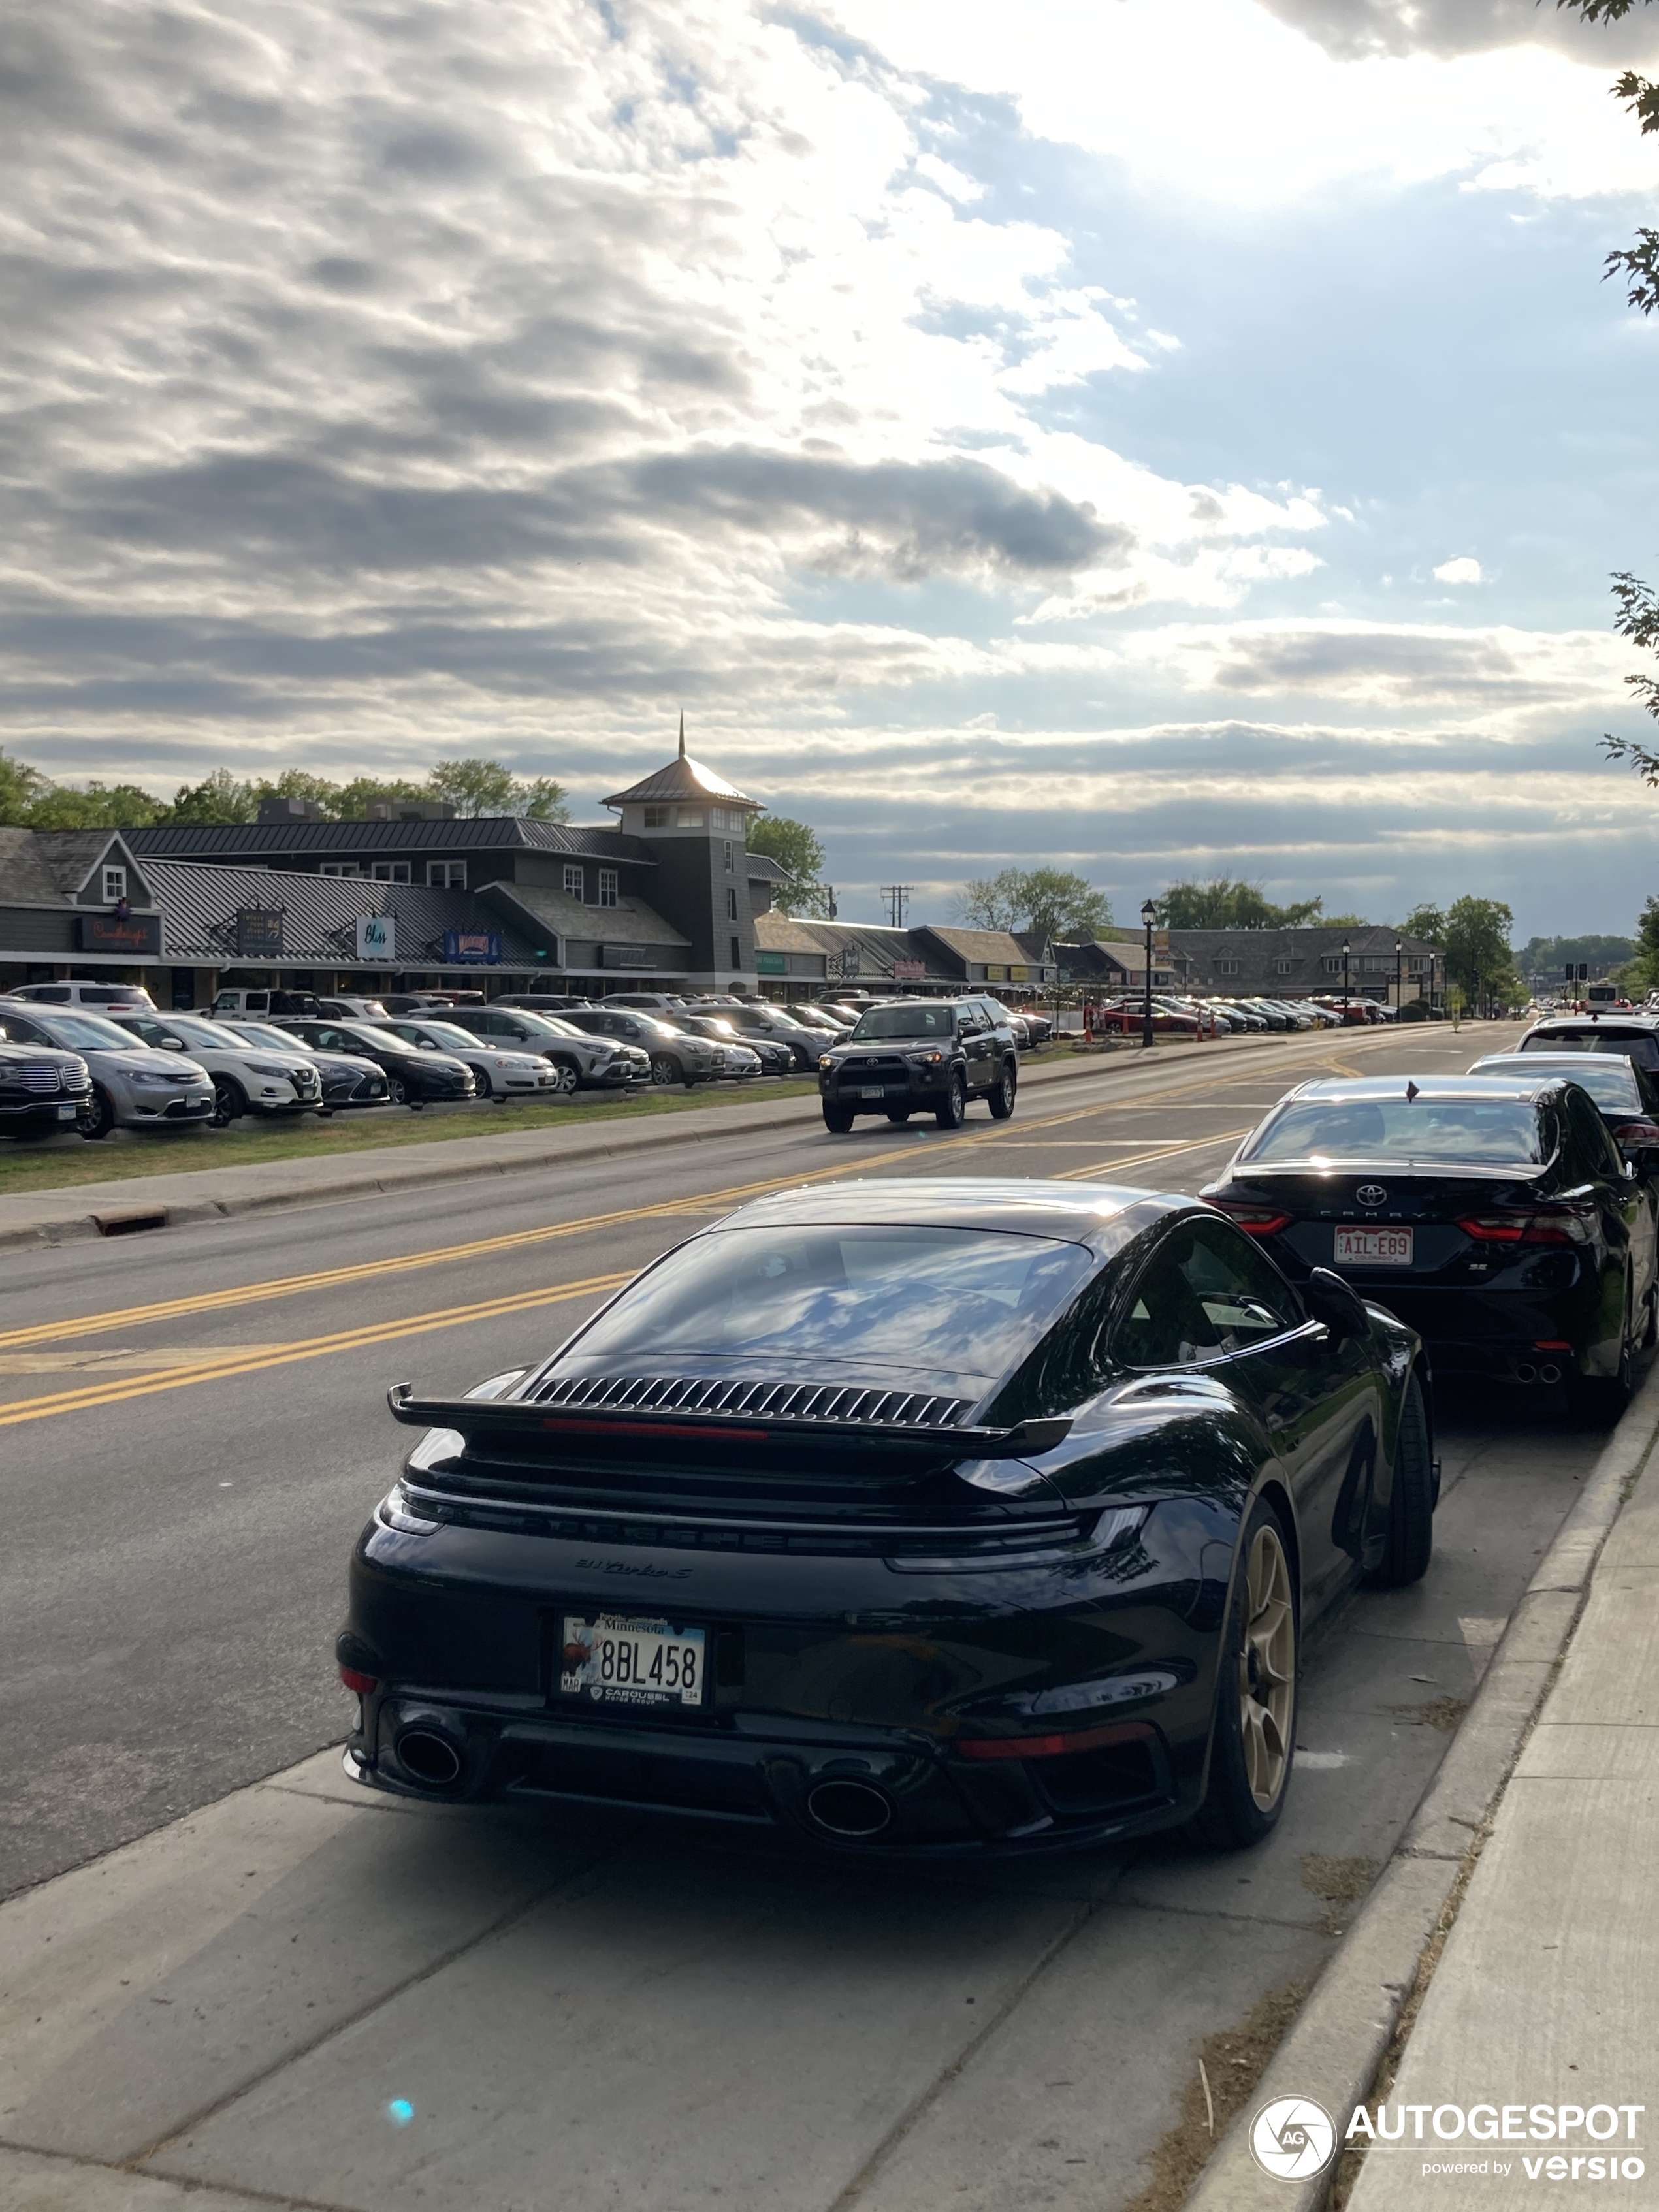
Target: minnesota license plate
x,y
1374,1248
873,1090
620,1659
68,1113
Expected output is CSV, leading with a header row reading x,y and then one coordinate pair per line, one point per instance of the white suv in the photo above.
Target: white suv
x,y
247,1079
100,998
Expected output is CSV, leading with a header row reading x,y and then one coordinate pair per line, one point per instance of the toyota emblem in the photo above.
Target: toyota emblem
x,y
1370,1194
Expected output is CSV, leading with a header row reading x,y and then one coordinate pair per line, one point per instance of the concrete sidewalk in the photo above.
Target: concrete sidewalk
x,y
88,1210
1547,1990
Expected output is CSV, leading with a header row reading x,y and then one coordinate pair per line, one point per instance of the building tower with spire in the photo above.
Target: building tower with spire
x,y
696,824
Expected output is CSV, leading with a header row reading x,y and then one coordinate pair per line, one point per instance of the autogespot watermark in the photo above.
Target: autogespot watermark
x,y
1293,2138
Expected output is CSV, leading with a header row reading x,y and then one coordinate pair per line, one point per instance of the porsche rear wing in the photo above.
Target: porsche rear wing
x,y
488,1419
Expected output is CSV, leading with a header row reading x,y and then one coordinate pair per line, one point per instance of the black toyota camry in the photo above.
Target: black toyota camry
x,y
1494,1214
936,1516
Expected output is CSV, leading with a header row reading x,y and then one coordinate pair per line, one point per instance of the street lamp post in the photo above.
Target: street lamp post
x,y
1148,916
1345,981
1399,981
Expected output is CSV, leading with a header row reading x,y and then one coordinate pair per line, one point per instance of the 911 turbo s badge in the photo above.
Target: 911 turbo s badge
x,y
1370,1194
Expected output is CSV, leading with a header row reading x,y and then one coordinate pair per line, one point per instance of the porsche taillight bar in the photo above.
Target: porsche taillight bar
x,y
487,1418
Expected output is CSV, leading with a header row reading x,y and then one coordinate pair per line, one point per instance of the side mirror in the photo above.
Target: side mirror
x,y
173,1044
1335,1303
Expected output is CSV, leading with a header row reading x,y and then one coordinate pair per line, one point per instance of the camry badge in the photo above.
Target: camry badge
x,y
1370,1194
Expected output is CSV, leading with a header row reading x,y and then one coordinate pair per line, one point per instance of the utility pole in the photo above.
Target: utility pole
x,y
1399,981
1345,981
897,896
1148,916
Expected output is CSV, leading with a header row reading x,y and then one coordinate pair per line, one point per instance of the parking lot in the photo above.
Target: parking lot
x,y
290,1993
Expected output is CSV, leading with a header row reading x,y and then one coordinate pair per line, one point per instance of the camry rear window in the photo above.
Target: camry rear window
x,y
1443,1130
904,1021
820,1301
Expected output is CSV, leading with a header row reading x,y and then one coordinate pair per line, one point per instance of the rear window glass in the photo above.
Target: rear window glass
x,y
1640,1045
840,1303
926,1021
1608,1081
1326,1130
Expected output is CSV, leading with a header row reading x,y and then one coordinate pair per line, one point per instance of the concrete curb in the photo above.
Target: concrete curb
x,y
1333,2049
77,1213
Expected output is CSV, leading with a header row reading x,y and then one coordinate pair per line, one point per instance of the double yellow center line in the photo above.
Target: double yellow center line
x,y
112,1390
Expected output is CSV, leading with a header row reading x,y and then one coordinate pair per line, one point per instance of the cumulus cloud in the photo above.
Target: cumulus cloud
x,y
1463,570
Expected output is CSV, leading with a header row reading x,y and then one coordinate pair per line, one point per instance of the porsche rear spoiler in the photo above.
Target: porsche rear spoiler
x,y
550,1427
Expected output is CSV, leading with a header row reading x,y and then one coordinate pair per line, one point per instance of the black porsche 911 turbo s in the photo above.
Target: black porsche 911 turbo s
x,y
934,1516
1493,1213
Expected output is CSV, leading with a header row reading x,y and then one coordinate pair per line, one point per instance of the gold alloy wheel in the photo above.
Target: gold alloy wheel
x,y
1267,1669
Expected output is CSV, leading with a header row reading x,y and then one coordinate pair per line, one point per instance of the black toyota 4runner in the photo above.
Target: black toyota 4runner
x,y
920,1055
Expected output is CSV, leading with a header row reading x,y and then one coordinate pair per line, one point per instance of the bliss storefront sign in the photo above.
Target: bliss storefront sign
x,y
377,937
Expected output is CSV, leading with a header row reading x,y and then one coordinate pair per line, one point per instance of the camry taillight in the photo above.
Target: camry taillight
x,y
1566,1224
1256,1220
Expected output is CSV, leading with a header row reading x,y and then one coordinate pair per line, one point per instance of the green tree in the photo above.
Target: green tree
x,y
351,801
221,796
1637,265
1054,901
1474,935
95,806
1638,618
798,852
20,787
486,786
1229,903
1546,957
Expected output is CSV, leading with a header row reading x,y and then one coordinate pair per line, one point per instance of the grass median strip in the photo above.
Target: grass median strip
x,y
252,1359
370,1129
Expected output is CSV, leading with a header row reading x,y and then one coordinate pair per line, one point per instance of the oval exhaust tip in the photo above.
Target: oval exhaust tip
x,y
855,1810
1526,1372
429,1757
1549,1374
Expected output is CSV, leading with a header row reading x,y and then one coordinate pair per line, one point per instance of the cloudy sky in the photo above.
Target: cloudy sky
x,y
1156,436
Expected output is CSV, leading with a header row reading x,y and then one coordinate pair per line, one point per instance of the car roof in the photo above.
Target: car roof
x,y
1377,1088
1074,1212
1623,1023
1568,1064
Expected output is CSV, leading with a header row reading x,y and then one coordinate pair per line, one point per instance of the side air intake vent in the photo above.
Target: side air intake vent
x,y
776,1401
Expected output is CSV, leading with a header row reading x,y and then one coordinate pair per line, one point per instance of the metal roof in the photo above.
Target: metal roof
x,y
684,778
199,907
235,840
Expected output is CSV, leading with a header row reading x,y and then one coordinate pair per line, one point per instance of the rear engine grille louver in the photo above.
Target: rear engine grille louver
x,y
774,1401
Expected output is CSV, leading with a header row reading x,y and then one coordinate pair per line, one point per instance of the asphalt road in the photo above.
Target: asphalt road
x,y
193,1431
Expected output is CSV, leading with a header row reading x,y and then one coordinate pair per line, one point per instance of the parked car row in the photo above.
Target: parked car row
x,y
1510,1215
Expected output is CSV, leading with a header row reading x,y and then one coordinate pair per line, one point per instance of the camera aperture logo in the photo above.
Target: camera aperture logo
x,y
1292,2137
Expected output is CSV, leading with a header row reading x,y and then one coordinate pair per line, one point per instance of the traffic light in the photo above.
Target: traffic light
x,y
1584,971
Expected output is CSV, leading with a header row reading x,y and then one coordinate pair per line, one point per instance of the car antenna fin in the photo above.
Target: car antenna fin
x,y
1411,1090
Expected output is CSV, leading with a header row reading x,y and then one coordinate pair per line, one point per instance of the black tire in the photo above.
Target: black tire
x,y
838,1120
953,1113
1003,1092
1651,1333
97,1119
666,1073
1599,1401
898,1116
569,1075
1409,1544
398,1090
481,1078
1249,1783
229,1102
